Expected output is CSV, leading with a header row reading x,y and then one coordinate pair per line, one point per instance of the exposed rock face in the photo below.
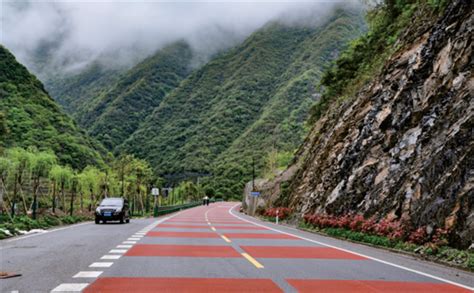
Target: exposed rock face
x,y
403,147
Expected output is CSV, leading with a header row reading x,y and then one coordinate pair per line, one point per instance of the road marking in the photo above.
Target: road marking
x,y
213,229
350,251
77,287
129,242
101,265
118,251
124,246
226,239
252,260
45,232
88,274
110,256
137,236
133,239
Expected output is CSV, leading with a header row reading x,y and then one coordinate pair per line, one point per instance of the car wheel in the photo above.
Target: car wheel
x,y
97,221
127,221
121,219
104,221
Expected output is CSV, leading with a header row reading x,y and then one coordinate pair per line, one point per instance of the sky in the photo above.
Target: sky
x,y
119,33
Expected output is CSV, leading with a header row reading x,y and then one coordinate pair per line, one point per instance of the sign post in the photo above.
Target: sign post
x,y
155,192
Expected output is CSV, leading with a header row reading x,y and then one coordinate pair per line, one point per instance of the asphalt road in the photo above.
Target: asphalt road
x,y
211,249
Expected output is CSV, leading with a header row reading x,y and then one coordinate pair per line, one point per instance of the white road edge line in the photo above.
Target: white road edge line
x,y
356,253
46,232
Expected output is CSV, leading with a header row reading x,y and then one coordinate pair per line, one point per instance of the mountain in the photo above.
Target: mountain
x,y
242,103
102,99
393,133
32,118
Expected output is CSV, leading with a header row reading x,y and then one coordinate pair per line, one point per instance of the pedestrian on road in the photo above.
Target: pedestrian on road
x,y
205,201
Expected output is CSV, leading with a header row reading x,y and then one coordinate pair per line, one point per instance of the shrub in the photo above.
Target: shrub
x,y
419,236
282,212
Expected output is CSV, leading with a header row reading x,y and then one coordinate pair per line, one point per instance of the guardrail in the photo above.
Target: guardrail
x,y
160,211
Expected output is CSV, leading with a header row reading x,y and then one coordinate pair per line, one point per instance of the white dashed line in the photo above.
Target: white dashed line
x,y
88,274
118,251
76,287
124,246
101,265
129,242
110,256
133,239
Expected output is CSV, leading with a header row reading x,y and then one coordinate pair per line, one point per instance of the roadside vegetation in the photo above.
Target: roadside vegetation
x,y
366,55
432,244
38,192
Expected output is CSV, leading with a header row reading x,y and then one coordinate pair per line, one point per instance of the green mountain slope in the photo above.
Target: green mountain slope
x,y
77,92
242,101
32,118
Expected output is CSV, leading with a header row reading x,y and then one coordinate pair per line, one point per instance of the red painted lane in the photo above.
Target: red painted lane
x,y
362,286
183,226
299,252
182,234
182,250
147,285
240,227
259,236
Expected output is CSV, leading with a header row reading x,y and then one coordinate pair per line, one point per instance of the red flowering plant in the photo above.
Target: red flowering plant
x,y
282,212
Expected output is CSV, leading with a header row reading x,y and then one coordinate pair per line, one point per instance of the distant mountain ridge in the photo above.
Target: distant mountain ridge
x,y
214,119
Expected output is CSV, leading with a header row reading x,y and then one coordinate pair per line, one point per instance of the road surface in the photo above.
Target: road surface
x,y
211,249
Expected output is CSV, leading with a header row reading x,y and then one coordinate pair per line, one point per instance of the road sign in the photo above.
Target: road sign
x,y
155,191
255,193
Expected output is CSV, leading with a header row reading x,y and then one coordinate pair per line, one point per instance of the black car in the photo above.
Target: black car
x,y
112,209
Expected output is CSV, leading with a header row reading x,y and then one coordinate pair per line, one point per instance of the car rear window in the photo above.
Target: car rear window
x,y
111,202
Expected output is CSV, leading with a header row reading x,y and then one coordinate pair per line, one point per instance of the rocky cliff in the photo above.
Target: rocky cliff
x,y
402,147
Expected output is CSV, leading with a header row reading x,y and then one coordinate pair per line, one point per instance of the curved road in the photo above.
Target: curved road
x,y
211,249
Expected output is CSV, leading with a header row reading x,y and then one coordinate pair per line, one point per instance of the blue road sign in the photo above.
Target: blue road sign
x,y
255,193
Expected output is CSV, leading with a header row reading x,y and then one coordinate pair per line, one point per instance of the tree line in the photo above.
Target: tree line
x,y
34,181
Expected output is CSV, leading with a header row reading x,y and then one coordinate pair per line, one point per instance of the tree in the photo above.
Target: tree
x,y
4,168
20,161
89,184
61,176
40,165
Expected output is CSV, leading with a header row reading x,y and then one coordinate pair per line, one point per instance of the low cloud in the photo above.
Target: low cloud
x,y
68,35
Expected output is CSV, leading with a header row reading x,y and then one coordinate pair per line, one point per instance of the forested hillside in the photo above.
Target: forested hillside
x,y
242,104
100,99
32,118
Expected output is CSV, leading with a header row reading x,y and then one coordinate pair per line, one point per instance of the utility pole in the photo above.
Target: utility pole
x,y
253,174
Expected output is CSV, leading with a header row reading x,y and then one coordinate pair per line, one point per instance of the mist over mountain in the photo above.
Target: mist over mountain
x,y
68,36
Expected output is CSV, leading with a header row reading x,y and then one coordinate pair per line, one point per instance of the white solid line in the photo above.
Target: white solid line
x,y
356,253
129,242
88,274
110,256
78,287
46,232
124,246
118,251
101,265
